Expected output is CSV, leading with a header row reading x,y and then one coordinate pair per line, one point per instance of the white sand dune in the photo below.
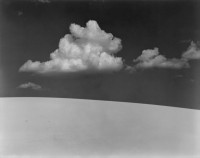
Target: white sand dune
x,y
52,127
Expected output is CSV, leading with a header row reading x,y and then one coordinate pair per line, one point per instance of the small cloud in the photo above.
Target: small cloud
x,y
151,58
179,76
44,1
30,85
129,68
86,48
186,41
193,51
20,13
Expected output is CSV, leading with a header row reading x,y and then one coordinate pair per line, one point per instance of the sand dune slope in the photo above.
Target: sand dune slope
x,y
52,127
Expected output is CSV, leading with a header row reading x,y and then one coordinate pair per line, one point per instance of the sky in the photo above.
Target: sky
x,y
128,51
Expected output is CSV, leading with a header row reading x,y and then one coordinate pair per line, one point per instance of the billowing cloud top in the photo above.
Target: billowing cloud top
x,y
88,48
30,85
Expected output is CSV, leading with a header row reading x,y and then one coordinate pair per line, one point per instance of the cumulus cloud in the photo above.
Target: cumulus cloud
x,y
86,48
151,58
30,85
193,51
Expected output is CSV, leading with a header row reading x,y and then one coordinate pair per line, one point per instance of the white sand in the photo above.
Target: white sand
x,y
52,127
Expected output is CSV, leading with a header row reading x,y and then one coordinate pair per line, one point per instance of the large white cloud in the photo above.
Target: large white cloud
x,y
193,52
88,48
151,58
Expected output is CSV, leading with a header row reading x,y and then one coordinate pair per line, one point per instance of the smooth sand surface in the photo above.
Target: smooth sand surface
x,y
53,127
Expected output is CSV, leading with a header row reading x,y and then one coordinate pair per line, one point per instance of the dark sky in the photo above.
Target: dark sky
x,y
32,30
